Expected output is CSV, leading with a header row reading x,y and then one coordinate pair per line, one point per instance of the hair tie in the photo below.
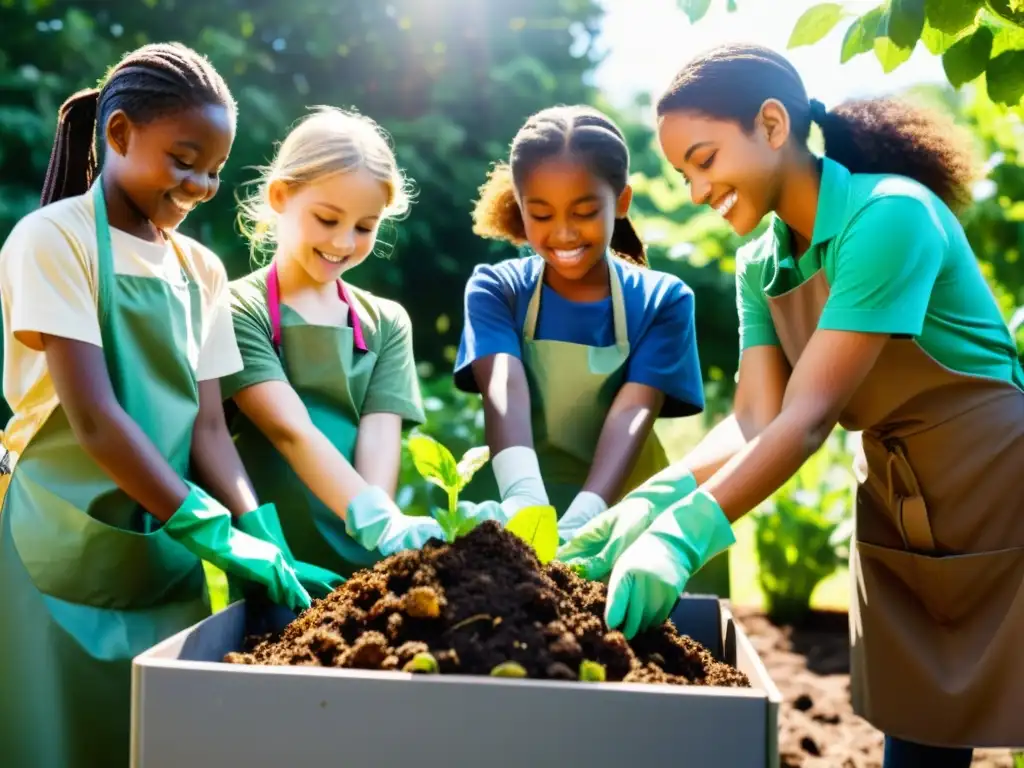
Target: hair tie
x,y
817,111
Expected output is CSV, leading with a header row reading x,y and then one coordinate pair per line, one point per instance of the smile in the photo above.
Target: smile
x,y
330,257
569,257
725,204
184,206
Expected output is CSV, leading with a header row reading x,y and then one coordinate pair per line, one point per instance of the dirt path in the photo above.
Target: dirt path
x,y
811,666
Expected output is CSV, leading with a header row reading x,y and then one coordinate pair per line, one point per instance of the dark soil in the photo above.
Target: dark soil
x,y
810,664
483,601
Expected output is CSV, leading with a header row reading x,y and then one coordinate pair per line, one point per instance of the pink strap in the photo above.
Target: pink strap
x,y
274,306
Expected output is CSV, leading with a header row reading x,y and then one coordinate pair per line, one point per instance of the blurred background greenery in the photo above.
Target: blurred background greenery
x,y
452,81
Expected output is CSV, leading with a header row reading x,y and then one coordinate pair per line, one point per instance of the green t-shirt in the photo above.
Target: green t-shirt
x,y
897,262
387,331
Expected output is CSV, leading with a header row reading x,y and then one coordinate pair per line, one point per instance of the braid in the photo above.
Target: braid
x,y
579,131
150,82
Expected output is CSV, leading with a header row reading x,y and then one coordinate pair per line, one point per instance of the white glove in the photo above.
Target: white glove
x,y
517,472
584,508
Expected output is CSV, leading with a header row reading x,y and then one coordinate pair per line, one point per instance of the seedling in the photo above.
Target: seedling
x,y
509,669
424,663
591,672
437,465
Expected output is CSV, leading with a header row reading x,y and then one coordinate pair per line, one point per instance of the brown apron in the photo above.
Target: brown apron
x,y
937,626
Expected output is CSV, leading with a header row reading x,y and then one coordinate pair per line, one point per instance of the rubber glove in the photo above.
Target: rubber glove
x,y
584,508
376,522
203,526
651,574
486,510
597,545
264,524
517,474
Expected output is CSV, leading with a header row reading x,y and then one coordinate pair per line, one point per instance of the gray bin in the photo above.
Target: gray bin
x,y
189,709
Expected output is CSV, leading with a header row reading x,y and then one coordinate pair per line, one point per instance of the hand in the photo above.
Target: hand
x,y
264,524
376,522
584,508
487,510
598,544
651,574
204,527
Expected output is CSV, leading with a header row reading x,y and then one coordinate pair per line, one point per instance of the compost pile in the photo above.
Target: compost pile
x,y
480,604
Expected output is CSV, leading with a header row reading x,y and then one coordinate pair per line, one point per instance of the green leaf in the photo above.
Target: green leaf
x,y
424,663
434,462
906,22
816,22
950,16
466,526
509,669
936,41
1008,10
592,672
889,54
694,9
471,462
967,59
860,36
1005,78
538,527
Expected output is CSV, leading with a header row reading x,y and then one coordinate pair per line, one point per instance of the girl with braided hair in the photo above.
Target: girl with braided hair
x,y
861,305
117,330
578,347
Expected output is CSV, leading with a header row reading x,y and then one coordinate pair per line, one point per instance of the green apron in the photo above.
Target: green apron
x,y
88,579
572,388
329,367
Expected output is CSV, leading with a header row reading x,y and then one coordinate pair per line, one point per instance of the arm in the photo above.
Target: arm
x,y
502,382
214,457
278,412
106,432
626,428
379,450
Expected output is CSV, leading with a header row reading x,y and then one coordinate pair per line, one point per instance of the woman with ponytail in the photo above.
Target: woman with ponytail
x,y
116,332
861,305
580,335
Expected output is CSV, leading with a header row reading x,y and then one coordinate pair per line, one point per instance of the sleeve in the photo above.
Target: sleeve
x,y
394,386
48,285
260,363
886,265
219,355
757,329
489,324
665,356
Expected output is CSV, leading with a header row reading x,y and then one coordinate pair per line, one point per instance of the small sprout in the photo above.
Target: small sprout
x,y
424,663
579,569
422,603
591,672
509,669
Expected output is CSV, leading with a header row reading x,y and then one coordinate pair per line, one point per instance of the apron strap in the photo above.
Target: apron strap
x,y
105,256
911,511
618,307
274,308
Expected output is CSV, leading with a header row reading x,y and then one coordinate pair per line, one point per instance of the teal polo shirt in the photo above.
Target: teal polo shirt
x,y
897,262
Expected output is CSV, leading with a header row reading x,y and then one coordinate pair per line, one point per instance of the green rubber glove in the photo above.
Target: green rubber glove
x,y
203,526
651,574
599,543
265,525
376,522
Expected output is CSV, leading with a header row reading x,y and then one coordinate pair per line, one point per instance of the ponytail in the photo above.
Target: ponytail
x,y
627,243
496,215
888,136
72,165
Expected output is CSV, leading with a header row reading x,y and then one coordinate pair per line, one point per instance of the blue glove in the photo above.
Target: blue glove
x,y
487,510
584,508
376,522
651,574
597,545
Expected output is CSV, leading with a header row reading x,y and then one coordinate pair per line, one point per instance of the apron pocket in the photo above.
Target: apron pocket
x,y
951,589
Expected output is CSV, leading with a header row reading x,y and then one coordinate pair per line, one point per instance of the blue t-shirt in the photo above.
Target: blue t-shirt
x,y
659,324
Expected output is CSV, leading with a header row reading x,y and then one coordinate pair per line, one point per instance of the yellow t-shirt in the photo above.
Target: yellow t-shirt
x,y
48,285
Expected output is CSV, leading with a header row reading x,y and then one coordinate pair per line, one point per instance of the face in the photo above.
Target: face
x,y
330,225
168,166
569,215
727,168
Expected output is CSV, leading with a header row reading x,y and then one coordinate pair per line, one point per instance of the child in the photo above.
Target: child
x,y
329,379
862,304
579,335
116,331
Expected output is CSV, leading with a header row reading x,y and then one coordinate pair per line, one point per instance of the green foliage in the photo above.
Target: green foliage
x,y
509,669
423,663
538,527
592,672
974,38
437,466
803,532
